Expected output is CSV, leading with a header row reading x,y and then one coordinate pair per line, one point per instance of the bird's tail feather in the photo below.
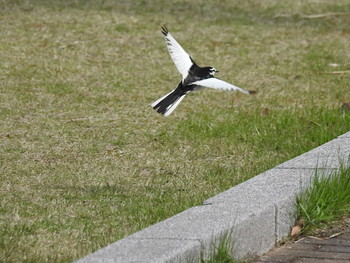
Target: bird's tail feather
x,y
174,105
167,104
154,104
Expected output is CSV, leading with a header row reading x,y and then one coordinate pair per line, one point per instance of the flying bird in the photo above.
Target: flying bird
x,y
193,77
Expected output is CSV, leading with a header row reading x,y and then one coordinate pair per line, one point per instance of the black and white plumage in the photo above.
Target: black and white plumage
x,y
193,77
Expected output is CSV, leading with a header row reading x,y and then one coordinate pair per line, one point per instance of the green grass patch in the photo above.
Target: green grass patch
x,y
325,201
85,160
220,250
222,254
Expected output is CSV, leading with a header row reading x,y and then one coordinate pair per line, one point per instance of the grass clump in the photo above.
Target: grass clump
x,y
222,255
221,252
325,201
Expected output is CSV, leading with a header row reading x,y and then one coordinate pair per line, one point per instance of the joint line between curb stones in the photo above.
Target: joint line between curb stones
x,y
276,222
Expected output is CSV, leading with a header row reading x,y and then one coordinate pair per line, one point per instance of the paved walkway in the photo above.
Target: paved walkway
x,y
313,250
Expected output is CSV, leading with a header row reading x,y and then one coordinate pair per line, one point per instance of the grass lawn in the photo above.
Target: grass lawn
x,y
85,160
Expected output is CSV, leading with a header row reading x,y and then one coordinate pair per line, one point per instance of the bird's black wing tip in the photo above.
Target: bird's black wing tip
x,y
252,91
165,30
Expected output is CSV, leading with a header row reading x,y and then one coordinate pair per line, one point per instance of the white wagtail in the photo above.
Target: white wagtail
x,y
193,77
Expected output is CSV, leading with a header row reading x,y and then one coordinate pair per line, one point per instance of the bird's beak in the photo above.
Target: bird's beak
x,y
216,71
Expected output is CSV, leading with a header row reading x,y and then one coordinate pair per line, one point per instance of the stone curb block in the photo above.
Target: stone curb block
x,y
256,214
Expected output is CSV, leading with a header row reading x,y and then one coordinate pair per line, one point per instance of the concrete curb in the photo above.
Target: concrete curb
x,y
257,214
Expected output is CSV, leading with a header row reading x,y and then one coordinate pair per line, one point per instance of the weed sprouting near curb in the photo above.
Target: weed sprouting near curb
x,y
326,200
221,252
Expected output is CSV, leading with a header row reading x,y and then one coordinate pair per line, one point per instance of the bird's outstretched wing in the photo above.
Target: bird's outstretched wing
x,y
216,83
181,58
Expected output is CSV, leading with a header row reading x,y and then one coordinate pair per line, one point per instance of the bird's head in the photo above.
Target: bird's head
x,y
212,71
